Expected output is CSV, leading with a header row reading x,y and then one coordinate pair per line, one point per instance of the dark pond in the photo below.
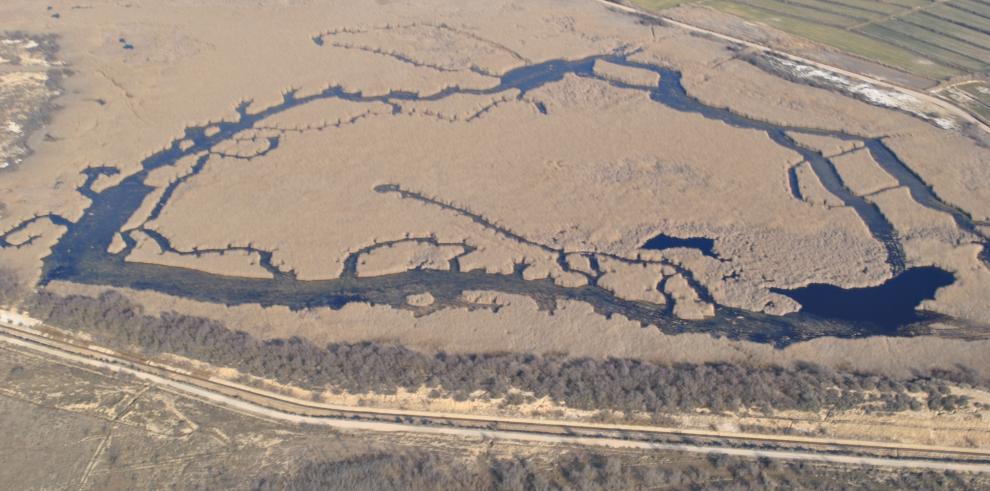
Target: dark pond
x,y
887,306
661,242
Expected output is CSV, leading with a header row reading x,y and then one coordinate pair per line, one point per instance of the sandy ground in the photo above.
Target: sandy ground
x,y
29,75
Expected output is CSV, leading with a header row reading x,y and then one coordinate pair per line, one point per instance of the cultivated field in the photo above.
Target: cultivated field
x,y
933,39
974,95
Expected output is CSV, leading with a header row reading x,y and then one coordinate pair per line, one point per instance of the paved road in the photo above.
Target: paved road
x,y
931,99
283,408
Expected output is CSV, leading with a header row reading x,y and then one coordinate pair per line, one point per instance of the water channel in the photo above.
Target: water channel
x,y
81,255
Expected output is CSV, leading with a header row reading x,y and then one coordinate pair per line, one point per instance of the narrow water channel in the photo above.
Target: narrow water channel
x,y
81,253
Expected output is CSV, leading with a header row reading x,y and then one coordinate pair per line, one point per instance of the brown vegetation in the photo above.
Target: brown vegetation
x,y
593,471
12,288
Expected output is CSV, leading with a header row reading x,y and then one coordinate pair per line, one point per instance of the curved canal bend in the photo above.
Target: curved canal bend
x,y
81,254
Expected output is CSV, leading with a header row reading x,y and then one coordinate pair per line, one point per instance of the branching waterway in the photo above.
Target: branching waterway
x,y
81,255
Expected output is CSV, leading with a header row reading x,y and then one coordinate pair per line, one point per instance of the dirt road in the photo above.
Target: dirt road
x,y
284,408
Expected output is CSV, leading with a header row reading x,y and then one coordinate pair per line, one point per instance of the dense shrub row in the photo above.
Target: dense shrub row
x,y
619,384
593,471
11,288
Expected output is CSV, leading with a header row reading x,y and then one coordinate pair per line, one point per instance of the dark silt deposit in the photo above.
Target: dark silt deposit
x,y
81,253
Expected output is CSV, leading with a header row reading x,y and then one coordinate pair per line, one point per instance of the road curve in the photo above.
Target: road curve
x,y
942,103
283,408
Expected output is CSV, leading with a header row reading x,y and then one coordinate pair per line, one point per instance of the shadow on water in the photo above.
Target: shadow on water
x,y
81,254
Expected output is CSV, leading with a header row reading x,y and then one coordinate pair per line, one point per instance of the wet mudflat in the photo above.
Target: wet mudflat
x,y
81,254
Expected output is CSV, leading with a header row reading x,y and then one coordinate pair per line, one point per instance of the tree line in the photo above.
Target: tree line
x,y
589,470
583,383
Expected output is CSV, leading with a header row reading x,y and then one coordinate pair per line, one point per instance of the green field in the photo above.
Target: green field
x,y
929,22
974,96
979,90
935,40
657,5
